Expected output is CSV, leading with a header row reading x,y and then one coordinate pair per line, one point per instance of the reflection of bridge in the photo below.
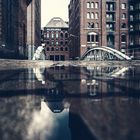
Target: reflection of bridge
x,y
104,53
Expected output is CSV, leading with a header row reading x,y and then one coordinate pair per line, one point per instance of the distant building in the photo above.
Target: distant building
x,y
134,28
55,36
94,23
33,26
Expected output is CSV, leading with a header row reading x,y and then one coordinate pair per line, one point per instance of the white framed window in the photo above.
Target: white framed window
x,y
123,5
88,4
92,15
96,5
92,4
96,16
88,15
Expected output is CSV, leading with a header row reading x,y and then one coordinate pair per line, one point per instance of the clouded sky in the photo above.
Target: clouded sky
x,y
53,8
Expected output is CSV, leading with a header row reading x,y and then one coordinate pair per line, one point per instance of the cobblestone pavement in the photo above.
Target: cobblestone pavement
x,y
12,64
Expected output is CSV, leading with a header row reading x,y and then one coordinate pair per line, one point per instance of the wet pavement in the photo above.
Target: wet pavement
x,y
71,102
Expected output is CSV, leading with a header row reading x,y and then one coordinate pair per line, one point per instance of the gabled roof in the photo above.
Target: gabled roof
x,y
57,22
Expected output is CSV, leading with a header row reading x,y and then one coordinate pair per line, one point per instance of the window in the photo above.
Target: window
x,y
97,38
96,15
92,25
92,37
66,49
52,49
92,4
48,49
123,5
48,42
52,35
123,16
48,35
61,49
66,35
52,43
96,25
88,15
131,27
131,17
96,5
61,43
57,43
88,38
88,4
61,35
92,15
123,25
131,7
123,38
57,35
89,25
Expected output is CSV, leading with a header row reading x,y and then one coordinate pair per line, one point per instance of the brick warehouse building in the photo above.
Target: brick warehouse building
x,y
13,27
98,23
134,30
55,36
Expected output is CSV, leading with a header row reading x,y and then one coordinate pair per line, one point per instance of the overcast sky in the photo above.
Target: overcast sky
x,y
53,8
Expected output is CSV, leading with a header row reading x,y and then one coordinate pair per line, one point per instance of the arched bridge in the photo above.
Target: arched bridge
x,y
104,53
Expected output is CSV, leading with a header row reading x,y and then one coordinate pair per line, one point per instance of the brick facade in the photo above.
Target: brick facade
x,y
96,23
55,36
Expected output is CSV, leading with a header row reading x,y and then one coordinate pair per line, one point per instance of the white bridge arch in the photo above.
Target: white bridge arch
x,y
104,53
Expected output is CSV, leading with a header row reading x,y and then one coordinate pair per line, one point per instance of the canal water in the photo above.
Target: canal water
x,y
70,103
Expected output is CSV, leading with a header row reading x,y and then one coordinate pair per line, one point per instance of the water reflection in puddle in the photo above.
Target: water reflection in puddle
x,y
70,103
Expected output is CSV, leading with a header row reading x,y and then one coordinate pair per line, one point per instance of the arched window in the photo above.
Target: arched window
x,y
124,16
66,49
61,35
92,25
88,4
66,35
61,49
92,15
52,35
48,35
61,43
52,49
123,38
96,25
88,25
96,5
88,15
92,4
123,25
48,49
57,35
96,16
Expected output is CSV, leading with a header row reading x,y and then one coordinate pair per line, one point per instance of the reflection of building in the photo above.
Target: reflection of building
x,y
98,23
33,26
56,40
